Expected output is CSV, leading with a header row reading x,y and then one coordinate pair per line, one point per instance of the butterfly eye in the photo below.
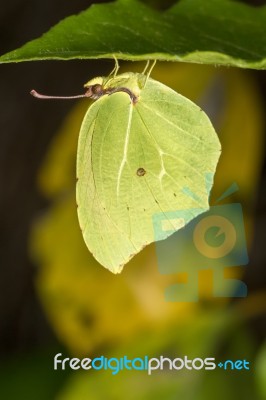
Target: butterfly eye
x,y
97,89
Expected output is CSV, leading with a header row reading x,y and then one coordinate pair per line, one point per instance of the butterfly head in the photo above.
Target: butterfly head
x,y
95,88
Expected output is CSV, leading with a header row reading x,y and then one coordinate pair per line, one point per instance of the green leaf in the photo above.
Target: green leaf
x,y
138,160
212,32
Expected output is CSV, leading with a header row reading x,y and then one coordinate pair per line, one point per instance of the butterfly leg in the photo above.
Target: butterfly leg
x,y
146,67
115,69
150,70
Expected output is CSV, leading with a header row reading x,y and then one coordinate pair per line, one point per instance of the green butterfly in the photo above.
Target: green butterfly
x,y
141,145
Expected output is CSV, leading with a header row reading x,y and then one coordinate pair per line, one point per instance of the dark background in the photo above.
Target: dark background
x,y
26,130
25,136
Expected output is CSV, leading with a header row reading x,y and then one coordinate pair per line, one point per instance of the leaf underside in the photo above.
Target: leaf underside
x,y
136,162
220,32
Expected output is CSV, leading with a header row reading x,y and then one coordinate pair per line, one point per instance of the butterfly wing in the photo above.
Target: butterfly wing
x,y
138,161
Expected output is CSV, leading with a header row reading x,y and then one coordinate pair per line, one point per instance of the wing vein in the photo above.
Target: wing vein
x,y
124,160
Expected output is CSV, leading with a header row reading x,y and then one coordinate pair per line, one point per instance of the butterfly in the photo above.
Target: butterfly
x,y
141,145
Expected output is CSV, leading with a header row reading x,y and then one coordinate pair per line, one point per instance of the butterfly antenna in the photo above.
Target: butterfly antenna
x,y
45,97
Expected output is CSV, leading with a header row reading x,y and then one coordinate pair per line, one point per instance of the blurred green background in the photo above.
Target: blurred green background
x,y
56,298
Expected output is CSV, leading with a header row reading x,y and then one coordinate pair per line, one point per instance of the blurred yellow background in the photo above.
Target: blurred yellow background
x,y
94,312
